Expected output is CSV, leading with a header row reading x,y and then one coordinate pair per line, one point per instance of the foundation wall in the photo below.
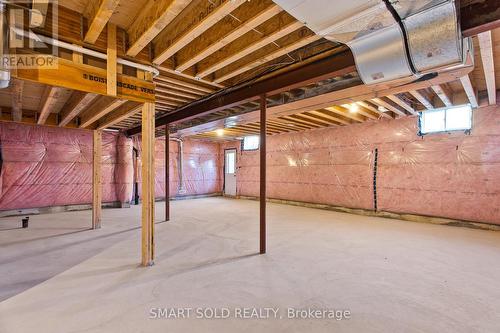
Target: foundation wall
x,y
452,175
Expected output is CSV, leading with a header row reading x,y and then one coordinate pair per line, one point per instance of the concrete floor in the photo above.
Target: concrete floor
x,y
391,275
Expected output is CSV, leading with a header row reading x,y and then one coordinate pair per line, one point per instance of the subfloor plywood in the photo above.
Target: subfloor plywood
x,y
391,275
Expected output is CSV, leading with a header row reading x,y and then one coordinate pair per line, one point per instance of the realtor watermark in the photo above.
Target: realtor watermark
x,y
28,35
248,313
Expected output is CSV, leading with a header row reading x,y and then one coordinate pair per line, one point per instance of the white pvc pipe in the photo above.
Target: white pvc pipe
x,y
81,49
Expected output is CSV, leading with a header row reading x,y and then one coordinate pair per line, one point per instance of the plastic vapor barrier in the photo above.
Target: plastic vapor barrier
x,y
48,166
453,175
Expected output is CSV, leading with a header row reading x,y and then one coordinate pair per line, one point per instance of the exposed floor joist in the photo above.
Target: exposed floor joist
x,y
75,105
98,12
188,26
211,40
151,21
486,49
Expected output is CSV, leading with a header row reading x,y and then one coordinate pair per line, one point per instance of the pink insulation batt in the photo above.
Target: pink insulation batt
x,y
453,175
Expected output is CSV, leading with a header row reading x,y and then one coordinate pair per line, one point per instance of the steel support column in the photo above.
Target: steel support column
x,y
167,173
263,110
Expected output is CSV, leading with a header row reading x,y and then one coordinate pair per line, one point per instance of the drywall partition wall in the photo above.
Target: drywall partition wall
x,y
446,175
49,166
201,166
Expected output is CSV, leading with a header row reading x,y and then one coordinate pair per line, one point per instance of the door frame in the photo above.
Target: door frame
x,y
224,169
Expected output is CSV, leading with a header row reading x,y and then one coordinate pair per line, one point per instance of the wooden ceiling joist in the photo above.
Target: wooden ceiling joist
x,y
99,109
98,13
346,113
166,103
188,76
469,90
176,93
320,117
444,93
173,98
153,19
331,115
75,105
388,106
423,98
123,112
279,53
189,25
300,122
242,47
402,103
311,120
486,50
211,40
184,83
372,108
51,98
179,88
38,13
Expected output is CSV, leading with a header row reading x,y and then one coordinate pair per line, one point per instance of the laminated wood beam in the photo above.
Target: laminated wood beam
x,y
90,79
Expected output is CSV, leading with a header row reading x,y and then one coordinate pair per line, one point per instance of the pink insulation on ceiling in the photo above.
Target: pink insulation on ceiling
x,y
447,175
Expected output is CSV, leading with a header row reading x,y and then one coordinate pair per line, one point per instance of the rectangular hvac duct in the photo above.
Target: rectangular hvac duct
x,y
390,40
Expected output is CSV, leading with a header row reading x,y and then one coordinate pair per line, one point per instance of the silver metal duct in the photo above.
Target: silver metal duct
x,y
389,39
4,47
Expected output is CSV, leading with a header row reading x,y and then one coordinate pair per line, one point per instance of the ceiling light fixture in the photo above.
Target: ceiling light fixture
x,y
354,108
220,132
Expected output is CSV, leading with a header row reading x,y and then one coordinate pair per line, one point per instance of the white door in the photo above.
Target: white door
x,y
230,172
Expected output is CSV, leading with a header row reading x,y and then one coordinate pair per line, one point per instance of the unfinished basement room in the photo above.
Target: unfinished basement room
x,y
249,166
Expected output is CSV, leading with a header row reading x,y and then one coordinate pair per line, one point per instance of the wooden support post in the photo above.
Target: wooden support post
x,y
167,173
263,107
112,61
96,180
148,183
